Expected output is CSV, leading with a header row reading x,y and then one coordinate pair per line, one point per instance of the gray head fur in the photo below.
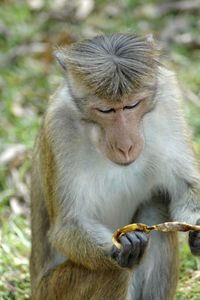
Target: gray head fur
x,y
112,66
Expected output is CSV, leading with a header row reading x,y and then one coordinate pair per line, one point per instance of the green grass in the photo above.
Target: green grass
x,y
26,82
14,254
188,287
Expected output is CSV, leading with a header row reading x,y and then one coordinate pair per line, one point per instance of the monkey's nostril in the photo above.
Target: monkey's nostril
x,y
130,149
121,151
125,151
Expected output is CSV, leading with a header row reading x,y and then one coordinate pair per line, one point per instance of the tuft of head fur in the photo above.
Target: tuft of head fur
x,y
112,66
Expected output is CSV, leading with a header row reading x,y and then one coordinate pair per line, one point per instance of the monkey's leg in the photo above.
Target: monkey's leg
x,y
71,282
156,276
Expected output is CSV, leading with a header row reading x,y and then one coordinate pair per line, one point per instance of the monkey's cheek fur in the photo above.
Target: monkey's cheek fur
x,y
194,241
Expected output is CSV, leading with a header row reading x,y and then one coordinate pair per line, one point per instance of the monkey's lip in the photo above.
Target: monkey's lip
x,y
126,163
121,162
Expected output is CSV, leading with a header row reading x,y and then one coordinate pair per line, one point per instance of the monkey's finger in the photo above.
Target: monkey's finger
x,y
194,242
140,235
144,239
194,239
126,244
130,252
194,234
123,258
114,252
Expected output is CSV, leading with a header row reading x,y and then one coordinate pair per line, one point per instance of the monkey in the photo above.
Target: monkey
x,y
113,149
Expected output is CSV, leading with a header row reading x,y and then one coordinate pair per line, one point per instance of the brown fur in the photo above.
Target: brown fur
x,y
62,283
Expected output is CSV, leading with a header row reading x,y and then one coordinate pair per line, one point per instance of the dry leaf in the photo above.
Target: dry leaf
x,y
164,227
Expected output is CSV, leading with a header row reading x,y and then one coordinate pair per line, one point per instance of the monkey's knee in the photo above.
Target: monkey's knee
x,y
57,284
72,282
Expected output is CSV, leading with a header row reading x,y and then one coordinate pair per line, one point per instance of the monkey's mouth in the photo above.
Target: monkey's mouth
x,y
126,163
119,161
123,163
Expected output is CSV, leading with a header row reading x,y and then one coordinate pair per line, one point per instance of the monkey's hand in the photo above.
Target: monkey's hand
x,y
194,241
133,245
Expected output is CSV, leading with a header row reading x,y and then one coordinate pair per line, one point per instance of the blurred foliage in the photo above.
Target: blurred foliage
x,y
29,31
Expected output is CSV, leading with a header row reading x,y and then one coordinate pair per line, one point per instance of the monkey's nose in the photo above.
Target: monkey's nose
x,y
125,151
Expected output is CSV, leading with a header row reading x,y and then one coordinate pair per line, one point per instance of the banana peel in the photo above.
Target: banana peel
x,y
164,227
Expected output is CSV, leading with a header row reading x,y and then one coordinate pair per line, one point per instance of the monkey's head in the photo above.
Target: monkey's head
x,y
112,81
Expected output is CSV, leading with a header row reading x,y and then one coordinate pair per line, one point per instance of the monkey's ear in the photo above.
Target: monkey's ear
x,y
59,55
158,51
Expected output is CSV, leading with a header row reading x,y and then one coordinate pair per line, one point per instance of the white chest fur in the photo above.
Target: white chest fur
x,y
110,194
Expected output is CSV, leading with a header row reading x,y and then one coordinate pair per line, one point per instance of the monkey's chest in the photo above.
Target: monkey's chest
x,y
120,205
112,198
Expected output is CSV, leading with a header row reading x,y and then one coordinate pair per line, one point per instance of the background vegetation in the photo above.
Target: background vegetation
x,y
29,30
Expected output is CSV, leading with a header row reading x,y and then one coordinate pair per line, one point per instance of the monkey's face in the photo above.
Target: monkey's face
x,y
118,131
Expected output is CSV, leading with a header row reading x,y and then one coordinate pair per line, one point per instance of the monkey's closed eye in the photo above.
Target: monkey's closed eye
x,y
131,106
106,110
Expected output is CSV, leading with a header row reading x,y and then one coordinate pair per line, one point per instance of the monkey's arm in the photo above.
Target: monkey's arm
x,y
185,206
179,172
185,202
74,240
88,247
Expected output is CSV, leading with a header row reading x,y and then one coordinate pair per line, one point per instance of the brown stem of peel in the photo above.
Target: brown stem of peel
x,y
164,227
